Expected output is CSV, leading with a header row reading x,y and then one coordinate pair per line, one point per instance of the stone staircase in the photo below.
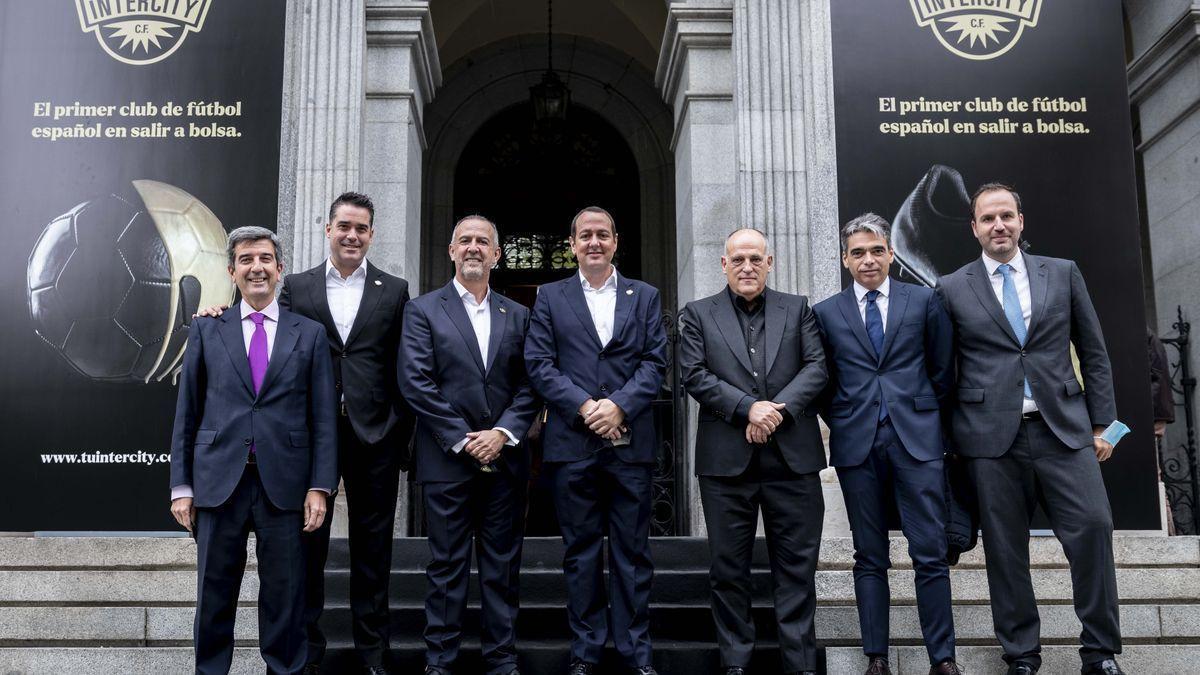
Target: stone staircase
x,y
124,605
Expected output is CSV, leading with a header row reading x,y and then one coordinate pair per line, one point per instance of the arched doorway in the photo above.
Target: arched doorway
x,y
530,178
487,155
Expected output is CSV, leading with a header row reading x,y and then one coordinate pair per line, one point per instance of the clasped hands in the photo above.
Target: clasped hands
x,y
604,418
485,446
765,418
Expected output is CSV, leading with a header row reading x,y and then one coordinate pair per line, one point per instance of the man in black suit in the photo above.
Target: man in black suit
x,y
362,310
1030,433
752,358
462,366
596,353
890,351
253,448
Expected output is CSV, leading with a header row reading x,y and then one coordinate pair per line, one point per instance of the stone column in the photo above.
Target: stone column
x,y
786,170
695,76
321,138
1164,86
402,72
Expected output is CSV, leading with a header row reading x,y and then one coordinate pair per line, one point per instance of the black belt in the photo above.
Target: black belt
x,y
1032,416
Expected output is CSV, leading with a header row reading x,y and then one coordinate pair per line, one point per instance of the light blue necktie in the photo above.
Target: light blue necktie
x,y
1012,310
874,323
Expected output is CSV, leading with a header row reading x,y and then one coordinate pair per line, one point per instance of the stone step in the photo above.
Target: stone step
x,y
539,658
131,626
547,585
411,554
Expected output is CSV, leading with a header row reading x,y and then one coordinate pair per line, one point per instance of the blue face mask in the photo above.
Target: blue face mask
x,y
1115,432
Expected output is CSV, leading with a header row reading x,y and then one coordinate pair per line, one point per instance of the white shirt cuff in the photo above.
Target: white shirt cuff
x,y
512,440
181,491
457,447
320,490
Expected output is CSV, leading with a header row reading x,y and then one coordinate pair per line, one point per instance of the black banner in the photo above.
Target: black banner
x,y
136,134
935,97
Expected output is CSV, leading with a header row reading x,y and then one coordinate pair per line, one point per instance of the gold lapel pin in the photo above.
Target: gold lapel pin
x,y
503,311
628,291
378,282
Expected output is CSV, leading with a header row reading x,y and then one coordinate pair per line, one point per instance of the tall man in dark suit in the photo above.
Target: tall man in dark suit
x,y
254,447
596,352
752,359
362,310
462,366
1030,433
890,351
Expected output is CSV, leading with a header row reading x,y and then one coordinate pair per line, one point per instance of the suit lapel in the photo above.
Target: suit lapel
x,y
847,303
977,279
372,292
1036,269
499,313
626,299
777,314
286,334
320,302
727,322
235,345
573,292
897,303
452,305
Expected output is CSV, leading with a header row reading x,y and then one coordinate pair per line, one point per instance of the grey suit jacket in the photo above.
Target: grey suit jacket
x,y
716,372
991,364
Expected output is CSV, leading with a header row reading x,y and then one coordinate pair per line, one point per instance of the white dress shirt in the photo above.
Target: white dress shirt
x,y
270,324
247,332
602,304
480,314
344,295
881,301
1020,277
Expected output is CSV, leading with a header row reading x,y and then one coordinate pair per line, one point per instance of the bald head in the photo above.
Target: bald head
x,y
746,236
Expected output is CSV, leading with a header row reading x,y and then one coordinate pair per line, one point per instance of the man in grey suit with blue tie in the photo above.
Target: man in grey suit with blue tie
x,y
890,351
1031,431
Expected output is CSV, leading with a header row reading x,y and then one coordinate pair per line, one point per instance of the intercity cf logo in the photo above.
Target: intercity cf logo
x,y
977,29
140,32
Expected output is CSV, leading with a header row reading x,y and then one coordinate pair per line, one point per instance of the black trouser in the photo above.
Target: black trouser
x,y
221,535
919,491
597,496
371,477
1039,469
489,511
793,512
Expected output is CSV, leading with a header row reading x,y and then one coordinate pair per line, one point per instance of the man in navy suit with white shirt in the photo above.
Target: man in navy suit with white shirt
x,y
254,447
596,352
889,346
462,367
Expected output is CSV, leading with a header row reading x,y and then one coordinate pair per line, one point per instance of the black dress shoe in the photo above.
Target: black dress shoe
x,y
644,670
735,670
311,669
947,667
434,670
581,668
878,666
1105,667
376,670
1021,668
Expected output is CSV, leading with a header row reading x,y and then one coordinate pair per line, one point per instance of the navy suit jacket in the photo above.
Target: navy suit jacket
x,y
915,373
291,421
453,391
567,366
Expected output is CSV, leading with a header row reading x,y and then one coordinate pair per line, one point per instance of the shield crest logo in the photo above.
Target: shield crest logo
x,y
141,33
977,30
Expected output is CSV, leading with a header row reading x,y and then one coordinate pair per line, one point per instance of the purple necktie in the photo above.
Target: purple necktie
x,y
258,351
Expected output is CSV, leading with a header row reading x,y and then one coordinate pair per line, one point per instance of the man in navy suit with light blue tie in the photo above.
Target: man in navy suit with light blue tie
x,y
462,368
596,352
254,447
889,346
